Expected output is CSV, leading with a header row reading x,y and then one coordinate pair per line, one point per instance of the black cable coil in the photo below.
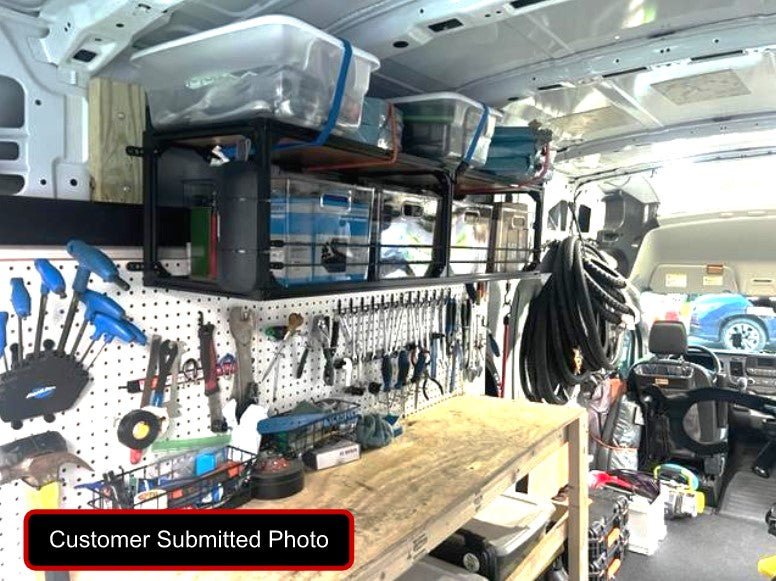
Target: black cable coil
x,y
583,307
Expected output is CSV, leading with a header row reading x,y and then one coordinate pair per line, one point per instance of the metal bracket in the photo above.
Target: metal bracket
x,y
143,267
86,35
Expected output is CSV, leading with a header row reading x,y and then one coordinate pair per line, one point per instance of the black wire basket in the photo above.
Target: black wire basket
x,y
177,481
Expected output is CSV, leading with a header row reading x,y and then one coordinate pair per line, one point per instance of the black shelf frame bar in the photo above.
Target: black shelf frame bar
x,y
265,134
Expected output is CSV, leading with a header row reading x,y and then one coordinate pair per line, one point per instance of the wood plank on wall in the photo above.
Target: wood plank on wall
x,y
116,119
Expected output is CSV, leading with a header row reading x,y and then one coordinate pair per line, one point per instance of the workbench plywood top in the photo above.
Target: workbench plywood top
x,y
407,497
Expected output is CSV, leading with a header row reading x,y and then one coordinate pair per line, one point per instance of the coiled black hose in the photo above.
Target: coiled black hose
x,y
580,310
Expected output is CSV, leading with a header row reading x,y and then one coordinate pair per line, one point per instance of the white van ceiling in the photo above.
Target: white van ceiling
x,y
603,74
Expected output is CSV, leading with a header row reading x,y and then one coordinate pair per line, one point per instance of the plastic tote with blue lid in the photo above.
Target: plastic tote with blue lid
x,y
444,126
272,66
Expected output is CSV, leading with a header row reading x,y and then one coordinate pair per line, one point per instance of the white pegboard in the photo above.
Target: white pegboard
x,y
90,426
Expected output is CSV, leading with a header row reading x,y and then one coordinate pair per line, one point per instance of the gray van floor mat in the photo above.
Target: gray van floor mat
x,y
709,547
748,496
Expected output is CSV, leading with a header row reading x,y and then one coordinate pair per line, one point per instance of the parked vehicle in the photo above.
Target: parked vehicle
x,y
732,321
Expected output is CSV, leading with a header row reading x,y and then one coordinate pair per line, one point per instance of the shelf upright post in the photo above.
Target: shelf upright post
x,y
444,225
264,140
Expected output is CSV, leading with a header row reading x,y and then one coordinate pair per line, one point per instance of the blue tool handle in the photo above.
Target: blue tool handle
x,y
434,355
3,325
404,369
157,398
20,298
51,278
494,345
110,328
93,260
287,423
139,337
387,371
100,303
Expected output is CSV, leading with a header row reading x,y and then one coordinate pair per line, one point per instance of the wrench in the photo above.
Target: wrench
x,y
172,405
242,325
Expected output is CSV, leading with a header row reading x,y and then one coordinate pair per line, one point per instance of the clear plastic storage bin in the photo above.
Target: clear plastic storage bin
x,y
499,537
376,127
274,66
442,126
406,233
319,231
510,247
469,238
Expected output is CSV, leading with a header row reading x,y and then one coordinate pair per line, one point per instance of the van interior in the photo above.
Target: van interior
x,y
629,145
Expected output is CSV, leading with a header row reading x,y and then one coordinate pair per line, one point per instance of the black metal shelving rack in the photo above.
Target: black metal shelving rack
x,y
376,167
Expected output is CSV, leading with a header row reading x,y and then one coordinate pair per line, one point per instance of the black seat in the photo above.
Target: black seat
x,y
668,370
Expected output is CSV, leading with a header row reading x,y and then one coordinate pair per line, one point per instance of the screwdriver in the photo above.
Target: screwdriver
x,y
3,325
20,299
90,260
51,280
108,328
96,303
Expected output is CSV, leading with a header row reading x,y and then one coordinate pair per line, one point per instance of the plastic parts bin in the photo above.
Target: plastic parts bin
x,y
443,125
470,237
499,537
320,231
513,151
273,65
375,128
406,233
510,247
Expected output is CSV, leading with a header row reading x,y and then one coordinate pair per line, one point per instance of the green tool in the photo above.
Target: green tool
x,y
191,443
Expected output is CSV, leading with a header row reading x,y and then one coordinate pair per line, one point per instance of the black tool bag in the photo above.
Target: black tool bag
x,y
471,552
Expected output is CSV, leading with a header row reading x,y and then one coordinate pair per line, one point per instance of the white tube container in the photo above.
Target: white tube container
x,y
273,66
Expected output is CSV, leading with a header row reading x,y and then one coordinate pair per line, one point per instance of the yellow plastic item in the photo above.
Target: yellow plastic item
x,y
767,566
45,498
700,501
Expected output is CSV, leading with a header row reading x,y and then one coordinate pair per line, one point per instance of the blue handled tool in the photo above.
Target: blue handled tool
x,y
404,369
107,328
90,260
140,337
96,303
51,281
22,306
3,325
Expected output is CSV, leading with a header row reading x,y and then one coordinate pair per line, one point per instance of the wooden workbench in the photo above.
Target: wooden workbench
x,y
453,459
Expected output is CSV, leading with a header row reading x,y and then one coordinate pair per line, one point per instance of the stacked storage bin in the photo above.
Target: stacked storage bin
x,y
608,533
274,66
375,128
448,127
499,537
320,231
513,151
470,238
405,236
